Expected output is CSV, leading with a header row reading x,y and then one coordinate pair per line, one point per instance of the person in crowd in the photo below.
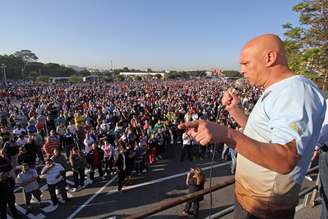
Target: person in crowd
x,y
38,141
50,145
72,128
121,167
140,153
186,147
10,151
21,140
321,151
284,124
26,156
60,130
28,179
53,137
61,159
53,172
19,130
68,142
108,157
78,163
88,142
7,185
94,159
31,128
152,148
195,181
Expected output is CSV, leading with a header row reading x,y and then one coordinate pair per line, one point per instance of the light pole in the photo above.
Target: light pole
x,y
4,78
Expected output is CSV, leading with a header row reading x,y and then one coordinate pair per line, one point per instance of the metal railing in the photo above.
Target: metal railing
x,y
166,204
170,203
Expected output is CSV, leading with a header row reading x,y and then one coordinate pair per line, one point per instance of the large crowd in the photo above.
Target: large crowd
x,y
115,128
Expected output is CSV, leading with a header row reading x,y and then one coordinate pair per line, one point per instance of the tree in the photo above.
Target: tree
x,y
158,76
307,44
43,78
13,66
126,69
75,79
120,77
108,78
138,78
232,73
26,56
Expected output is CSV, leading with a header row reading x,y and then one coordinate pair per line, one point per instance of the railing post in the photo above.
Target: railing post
x,y
315,191
309,199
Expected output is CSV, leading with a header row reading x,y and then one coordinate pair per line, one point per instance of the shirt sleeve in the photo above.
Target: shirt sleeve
x,y
60,167
19,180
34,173
288,119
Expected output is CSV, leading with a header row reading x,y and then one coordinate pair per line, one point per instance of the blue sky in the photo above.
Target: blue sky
x,y
160,34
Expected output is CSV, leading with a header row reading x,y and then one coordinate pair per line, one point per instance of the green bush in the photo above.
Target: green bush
x,y
75,79
43,78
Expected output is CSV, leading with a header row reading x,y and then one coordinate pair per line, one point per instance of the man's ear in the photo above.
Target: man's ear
x,y
270,58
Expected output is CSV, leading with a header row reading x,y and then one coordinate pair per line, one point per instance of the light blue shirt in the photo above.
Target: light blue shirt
x,y
292,109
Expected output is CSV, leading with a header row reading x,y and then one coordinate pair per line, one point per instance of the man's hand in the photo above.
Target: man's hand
x,y
230,100
204,132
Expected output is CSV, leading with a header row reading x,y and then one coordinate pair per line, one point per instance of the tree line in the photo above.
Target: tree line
x,y
306,49
307,44
24,64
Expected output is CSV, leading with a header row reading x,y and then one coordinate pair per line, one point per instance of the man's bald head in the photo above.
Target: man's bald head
x,y
263,60
263,44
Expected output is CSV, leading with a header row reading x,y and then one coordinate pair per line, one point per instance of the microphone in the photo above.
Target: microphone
x,y
238,85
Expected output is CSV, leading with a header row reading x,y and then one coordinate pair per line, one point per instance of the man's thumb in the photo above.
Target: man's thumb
x,y
188,125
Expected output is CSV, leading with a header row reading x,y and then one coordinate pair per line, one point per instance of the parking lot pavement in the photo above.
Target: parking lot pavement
x,y
101,199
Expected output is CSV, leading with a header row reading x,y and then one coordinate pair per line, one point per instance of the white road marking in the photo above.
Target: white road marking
x,y
50,208
165,178
45,209
18,189
70,182
19,208
29,215
299,207
69,195
158,169
91,198
39,216
44,187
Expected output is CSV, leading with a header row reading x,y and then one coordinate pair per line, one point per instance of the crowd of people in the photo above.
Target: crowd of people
x,y
114,128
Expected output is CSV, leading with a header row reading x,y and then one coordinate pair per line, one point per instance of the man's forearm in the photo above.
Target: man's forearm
x,y
276,157
239,116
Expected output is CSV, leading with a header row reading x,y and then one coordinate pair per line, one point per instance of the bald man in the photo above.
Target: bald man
x,y
279,135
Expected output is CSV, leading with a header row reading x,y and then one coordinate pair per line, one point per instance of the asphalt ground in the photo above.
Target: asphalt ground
x,y
164,180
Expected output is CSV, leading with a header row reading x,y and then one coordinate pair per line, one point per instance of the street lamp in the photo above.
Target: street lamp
x,y
4,78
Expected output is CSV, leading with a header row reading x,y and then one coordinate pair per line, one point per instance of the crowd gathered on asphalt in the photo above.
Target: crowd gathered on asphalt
x,y
119,128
